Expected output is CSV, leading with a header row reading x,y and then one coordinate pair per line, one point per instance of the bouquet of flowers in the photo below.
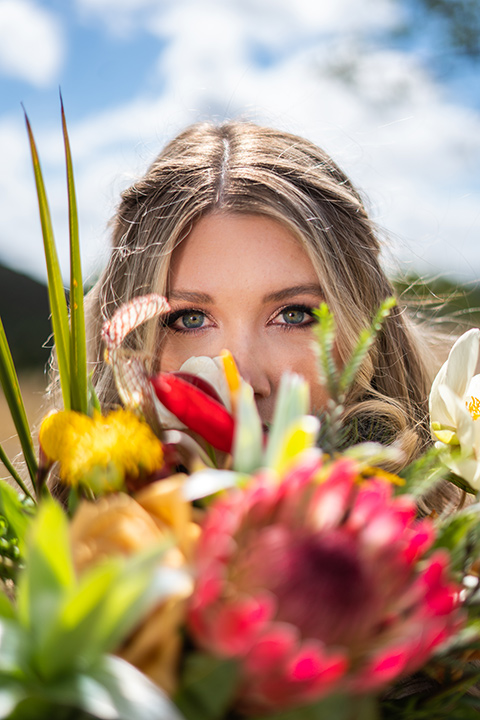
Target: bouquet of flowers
x,y
202,568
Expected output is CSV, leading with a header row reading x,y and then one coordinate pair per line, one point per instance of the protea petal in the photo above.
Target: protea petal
x,y
342,563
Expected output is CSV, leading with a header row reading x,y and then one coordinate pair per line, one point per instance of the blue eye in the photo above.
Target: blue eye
x,y
294,316
192,320
186,320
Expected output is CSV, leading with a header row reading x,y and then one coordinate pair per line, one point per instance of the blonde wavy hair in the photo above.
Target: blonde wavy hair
x,y
239,167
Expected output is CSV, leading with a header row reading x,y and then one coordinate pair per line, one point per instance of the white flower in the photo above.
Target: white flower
x,y
212,370
455,407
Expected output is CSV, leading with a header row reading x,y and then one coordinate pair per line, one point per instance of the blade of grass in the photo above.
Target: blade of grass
x,y
56,293
13,396
78,352
4,458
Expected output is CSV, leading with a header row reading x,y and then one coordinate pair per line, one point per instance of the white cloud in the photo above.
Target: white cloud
x,y
31,42
121,17
379,113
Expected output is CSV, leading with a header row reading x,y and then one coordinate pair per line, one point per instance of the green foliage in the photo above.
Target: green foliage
x,y
69,336
459,533
248,440
338,382
337,707
53,644
56,293
207,687
11,389
70,341
78,349
423,474
292,402
441,303
15,516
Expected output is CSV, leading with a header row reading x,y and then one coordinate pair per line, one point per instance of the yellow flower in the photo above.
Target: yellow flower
x,y
101,452
118,524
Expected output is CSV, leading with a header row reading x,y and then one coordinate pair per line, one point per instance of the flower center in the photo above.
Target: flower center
x,y
473,406
321,584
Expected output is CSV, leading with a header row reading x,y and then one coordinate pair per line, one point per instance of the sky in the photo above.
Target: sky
x,y
373,82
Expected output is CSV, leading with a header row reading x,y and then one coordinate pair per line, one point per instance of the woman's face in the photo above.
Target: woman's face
x,y
245,283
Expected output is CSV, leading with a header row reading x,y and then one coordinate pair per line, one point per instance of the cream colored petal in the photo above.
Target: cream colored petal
x,y
462,421
468,469
472,397
476,438
456,374
438,410
210,370
462,361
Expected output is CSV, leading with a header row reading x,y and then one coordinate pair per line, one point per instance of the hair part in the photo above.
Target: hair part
x,y
243,168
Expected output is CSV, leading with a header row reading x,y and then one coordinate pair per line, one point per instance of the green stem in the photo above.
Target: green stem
x,y
14,473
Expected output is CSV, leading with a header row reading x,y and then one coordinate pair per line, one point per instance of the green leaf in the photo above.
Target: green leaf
x,y
13,396
13,473
78,351
133,694
111,689
364,343
325,332
48,574
459,533
292,402
248,441
140,586
56,293
6,611
110,600
336,707
207,687
18,518
76,630
12,693
13,642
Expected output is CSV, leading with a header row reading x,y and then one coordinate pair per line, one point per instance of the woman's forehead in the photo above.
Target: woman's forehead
x,y
227,248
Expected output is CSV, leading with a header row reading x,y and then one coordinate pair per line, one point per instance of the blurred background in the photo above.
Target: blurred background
x,y
391,88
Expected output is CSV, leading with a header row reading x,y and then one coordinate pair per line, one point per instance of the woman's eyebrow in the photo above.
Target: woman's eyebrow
x,y
286,293
190,296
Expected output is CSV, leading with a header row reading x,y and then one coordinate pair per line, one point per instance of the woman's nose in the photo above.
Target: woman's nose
x,y
253,366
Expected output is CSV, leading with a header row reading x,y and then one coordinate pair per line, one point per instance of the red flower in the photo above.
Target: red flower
x,y
196,406
309,583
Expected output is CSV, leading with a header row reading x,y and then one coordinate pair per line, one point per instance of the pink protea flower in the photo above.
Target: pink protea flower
x,y
310,582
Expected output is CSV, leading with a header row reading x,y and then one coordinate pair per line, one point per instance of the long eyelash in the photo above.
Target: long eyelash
x,y
307,309
170,319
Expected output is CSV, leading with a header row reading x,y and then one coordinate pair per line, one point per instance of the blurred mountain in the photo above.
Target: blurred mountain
x,y
25,313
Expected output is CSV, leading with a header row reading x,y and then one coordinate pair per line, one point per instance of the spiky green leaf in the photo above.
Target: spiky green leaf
x,y
56,292
364,343
78,352
13,396
325,332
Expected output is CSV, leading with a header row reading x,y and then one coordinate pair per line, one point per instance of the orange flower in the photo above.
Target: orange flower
x,y
122,525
